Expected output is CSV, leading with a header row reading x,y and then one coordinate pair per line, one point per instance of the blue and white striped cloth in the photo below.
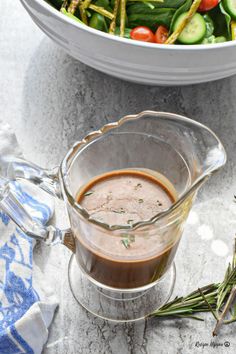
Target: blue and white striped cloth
x,y
26,310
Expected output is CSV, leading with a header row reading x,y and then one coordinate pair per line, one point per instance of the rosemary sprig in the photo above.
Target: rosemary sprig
x,y
215,298
189,305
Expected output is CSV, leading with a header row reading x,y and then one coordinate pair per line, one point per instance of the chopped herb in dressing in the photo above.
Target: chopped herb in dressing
x,y
130,221
119,211
86,194
127,240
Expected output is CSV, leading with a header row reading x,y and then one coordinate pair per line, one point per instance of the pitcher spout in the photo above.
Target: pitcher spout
x,y
206,154
203,154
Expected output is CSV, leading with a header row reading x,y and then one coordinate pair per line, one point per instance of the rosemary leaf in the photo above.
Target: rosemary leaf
x,y
225,310
209,305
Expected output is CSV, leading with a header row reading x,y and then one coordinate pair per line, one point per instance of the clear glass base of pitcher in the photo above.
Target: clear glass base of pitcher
x,y
117,305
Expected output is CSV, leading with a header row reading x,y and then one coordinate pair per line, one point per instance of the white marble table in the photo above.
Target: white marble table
x,y
51,100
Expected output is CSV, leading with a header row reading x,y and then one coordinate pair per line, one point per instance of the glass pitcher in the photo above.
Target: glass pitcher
x,y
121,287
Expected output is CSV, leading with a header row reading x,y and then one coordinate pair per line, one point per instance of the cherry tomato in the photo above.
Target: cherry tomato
x,y
207,5
161,34
142,33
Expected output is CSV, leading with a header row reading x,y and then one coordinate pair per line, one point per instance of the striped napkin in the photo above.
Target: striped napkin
x,y
27,305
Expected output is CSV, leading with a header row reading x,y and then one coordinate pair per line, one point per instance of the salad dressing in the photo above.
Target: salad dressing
x,y
124,197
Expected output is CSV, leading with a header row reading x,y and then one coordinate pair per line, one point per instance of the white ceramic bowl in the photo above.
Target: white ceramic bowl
x,y
147,63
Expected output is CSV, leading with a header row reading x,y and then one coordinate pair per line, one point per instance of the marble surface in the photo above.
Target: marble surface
x,y
51,100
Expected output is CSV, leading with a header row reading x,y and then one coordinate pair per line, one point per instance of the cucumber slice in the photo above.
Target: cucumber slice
x,y
230,6
195,30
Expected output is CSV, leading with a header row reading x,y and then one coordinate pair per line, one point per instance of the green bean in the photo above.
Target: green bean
x,y
73,6
101,11
105,4
184,8
115,12
122,17
83,6
86,4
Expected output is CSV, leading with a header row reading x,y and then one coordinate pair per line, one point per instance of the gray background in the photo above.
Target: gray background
x,y
51,100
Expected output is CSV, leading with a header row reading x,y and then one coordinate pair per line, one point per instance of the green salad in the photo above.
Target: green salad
x,y
157,21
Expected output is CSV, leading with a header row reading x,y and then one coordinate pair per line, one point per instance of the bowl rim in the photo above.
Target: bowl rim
x,y
98,33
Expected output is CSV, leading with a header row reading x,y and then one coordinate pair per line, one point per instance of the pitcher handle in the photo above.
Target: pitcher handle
x,y
47,180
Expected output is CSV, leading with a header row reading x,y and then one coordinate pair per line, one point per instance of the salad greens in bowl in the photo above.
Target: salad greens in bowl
x,y
157,42
157,21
